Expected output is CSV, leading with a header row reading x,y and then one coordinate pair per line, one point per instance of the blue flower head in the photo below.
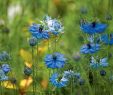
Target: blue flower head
x,y
92,28
107,39
3,77
96,64
4,56
68,74
6,68
38,31
103,62
56,60
89,48
58,80
53,25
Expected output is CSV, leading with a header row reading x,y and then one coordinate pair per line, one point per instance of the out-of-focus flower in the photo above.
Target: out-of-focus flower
x,y
8,84
28,64
4,56
14,10
27,71
25,83
94,27
6,68
58,81
68,74
107,39
89,48
32,41
44,83
3,77
53,25
96,64
103,62
26,55
38,31
83,10
76,56
55,60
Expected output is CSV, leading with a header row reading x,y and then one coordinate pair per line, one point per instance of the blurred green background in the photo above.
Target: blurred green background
x,y
17,15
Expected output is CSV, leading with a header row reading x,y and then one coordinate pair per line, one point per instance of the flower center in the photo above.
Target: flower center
x,y
54,57
93,24
111,36
40,29
59,78
89,46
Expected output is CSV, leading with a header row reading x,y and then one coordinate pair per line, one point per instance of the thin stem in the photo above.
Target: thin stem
x,y
33,71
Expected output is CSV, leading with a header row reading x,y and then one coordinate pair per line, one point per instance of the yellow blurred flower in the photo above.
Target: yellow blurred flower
x,y
26,55
8,84
25,83
44,83
28,64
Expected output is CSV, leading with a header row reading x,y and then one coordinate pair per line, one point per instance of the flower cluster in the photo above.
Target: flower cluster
x,y
44,29
101,63
4,67
62,80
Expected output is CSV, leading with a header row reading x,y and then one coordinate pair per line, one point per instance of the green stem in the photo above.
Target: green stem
x,y
33,71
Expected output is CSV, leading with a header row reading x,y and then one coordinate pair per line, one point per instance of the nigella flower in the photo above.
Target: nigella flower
x,y
101,63
3,77
94,27
55,60
94,63
4,56
58,80
38,31
53,25
89,48
68,74
6,68
107,39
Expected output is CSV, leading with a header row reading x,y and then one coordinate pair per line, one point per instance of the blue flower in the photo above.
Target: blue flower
x,y
107,39
89,48
58,80
56,60
92,28
38,31
68,74
53,25
103,62
4,56
96,64
6,68
3,77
